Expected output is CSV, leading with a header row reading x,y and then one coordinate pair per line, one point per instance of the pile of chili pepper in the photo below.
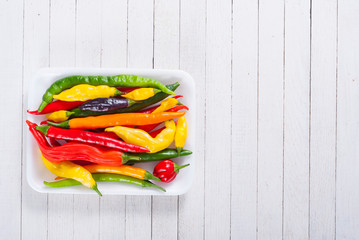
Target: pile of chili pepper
x,y
99,127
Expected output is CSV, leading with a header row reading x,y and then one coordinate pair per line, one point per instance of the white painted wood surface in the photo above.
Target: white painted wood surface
x,y
277,99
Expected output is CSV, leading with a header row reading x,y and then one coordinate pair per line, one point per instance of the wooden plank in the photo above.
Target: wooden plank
x,y
114,54
270,119
296,118
166,56
88,51
218,113
347,194
36,55
140,54
11,27
192,60
323,120
62,54
244,120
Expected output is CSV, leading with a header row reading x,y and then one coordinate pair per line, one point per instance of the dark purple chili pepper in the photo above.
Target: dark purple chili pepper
x,y
106,104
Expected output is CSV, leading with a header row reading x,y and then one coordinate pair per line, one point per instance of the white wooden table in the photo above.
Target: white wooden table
x,y
278,115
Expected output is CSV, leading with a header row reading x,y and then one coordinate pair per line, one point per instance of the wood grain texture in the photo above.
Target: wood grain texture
x,y
140,55
218,120
296,120
11,27
244,120
347,194
166,43
192,60
323,119
277,92
270,119
88,54
113,54
36,55
62,54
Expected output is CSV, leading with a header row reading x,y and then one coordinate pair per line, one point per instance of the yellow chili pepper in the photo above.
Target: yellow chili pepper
x,y
59,116
126,170
181,134
141,94
166,104
143,139
84,92
69,169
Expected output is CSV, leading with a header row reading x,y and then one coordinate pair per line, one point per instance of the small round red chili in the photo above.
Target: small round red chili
x,y
167,170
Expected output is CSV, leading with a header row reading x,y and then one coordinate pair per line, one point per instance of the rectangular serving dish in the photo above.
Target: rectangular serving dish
x,y
36,171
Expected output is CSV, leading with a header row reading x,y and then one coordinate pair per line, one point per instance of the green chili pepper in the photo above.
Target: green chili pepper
x,y
112,81
105,177
161,155
77,112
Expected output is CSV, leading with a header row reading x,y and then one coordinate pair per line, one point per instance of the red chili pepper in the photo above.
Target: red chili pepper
x,y
56,106
177,96
177,108
79,151
156,132
108,134
82,163
54,143
127,89
167,170
88,137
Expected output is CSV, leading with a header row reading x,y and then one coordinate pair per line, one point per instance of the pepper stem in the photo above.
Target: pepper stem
x,y
149,176
42,106
179,150
131,102
127,157
118,92
96,190
42,129
177,168
64,124
68,113
179,103
155,90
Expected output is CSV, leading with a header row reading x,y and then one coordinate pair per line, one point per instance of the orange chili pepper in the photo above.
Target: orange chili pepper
x,y
119,119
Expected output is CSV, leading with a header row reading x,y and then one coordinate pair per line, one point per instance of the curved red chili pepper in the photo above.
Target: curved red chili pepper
x,y
82,136
56,106
78,151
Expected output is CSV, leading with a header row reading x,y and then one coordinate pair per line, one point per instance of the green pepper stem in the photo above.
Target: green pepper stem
x,y
179,103
42,106
64,124
155,90
42,129
96,190
179,150
149,176
131,102
68,113
127,157
177,168
118,92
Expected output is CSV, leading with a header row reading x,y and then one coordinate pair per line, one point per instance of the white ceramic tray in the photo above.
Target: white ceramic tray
x,y
36,172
